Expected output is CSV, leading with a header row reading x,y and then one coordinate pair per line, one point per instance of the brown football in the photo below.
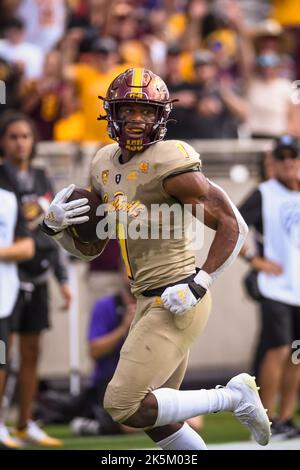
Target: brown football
x,y
86,232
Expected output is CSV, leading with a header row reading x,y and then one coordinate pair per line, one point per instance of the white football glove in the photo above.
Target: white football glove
x,y
61,214
178,298
183,297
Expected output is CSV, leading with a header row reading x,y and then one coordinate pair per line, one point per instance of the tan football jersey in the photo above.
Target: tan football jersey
x,y
155,253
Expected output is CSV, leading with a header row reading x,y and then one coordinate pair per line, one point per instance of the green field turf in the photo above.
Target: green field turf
x,y
218,428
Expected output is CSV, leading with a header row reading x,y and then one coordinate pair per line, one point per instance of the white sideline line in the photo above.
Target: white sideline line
x,y
288,444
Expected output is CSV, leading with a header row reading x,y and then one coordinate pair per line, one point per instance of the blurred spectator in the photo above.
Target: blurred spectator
x,y
271,111
269,36
287,13
273,209
126,27
30,316
155,39
98,10
223,43
230,40
79,8
121,21
12,77
219,109
197,17
255,11
93,80
8,10
183,91
15,245
109,324
44,21
110,321
70,127
42,98
14,49
85,24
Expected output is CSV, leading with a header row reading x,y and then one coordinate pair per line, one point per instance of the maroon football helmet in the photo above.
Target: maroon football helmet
x,y
137,85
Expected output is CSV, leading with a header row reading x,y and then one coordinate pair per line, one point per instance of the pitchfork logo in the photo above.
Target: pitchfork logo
x,y
290,216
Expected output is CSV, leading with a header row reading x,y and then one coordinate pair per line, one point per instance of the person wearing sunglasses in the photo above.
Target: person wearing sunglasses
x,y
273,210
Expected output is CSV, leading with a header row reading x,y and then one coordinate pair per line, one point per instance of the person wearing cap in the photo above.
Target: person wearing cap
x,y
273,210
219,109
268,35
181,90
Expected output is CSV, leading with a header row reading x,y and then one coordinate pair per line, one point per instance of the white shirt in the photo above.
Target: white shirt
x,y
30,55
9,281
268,106
281,226
44,20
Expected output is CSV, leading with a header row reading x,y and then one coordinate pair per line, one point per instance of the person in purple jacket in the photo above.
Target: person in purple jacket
x,y
109,324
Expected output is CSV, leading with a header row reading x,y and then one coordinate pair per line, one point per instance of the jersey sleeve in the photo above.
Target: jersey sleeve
x,y
177,157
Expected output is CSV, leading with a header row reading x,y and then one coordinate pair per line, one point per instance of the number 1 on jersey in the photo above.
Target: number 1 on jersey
x,y
122,242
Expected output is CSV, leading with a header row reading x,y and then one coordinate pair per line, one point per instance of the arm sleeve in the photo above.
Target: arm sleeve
x,y
243,231
251,210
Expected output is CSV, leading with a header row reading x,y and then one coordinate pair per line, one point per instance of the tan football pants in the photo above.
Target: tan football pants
x,y
154,355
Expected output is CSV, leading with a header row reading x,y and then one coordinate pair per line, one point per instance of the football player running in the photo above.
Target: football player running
x,y
173,299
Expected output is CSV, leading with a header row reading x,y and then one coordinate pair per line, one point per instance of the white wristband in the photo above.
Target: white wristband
x,y
203,279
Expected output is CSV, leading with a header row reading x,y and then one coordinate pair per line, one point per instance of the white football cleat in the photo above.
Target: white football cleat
x,y
249,409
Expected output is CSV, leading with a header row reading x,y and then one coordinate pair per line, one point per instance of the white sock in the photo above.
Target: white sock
x,y
183,439
179,405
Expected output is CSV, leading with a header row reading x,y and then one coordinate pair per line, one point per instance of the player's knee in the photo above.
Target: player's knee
x,y
118,404
108,403
146,414
132,409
